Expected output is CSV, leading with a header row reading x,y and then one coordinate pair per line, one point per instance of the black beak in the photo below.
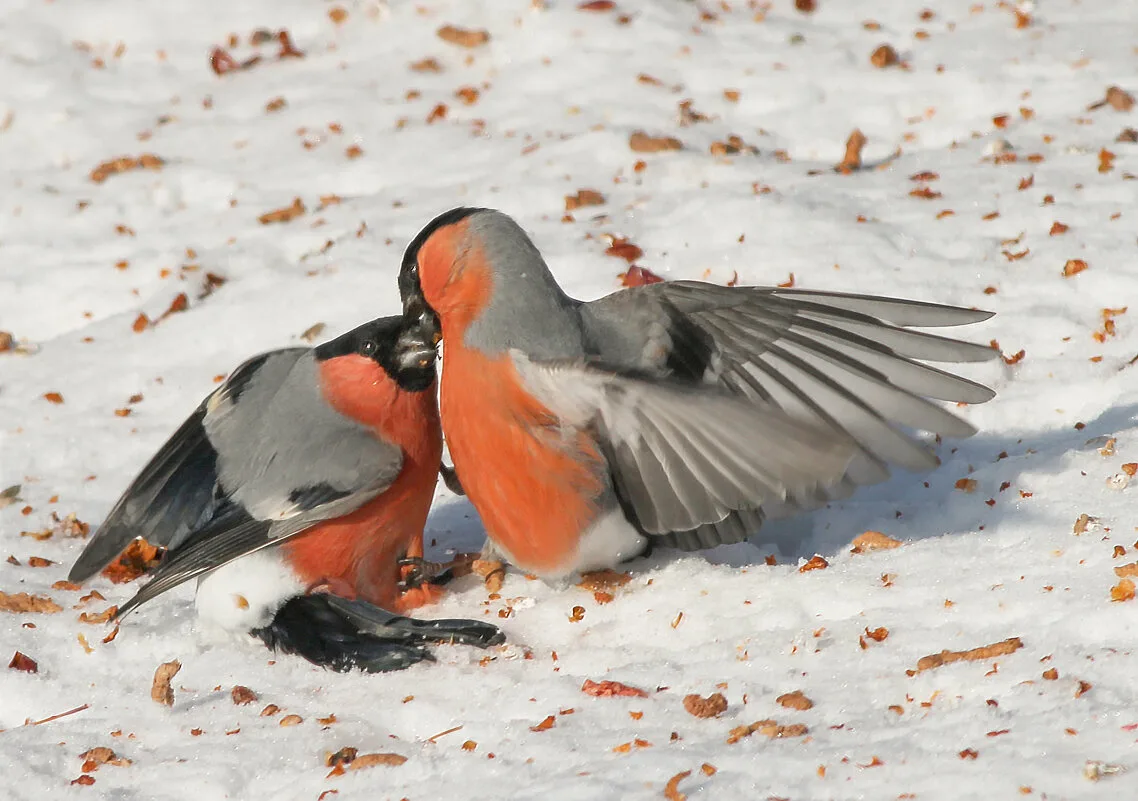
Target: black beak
x,y
421,318
415,349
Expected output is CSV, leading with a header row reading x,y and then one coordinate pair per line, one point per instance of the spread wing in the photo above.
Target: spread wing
x,y
681,457
847,364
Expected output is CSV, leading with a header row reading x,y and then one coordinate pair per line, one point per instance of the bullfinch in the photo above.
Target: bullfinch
x,y
307,469
679,413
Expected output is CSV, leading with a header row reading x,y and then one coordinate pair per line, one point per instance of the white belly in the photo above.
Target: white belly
x,y
246,593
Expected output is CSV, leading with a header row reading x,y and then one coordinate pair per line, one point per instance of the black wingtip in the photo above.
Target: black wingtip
x,y
346,635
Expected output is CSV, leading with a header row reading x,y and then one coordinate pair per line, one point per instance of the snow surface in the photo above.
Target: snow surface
x,y
559,98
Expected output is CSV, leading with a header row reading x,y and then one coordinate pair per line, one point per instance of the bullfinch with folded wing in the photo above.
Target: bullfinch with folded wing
x,y
680,413
307,469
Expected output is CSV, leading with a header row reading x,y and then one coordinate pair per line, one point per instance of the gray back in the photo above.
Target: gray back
x,y
527,309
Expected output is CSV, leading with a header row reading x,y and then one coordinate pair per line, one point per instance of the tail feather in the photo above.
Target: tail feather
x,y
344,635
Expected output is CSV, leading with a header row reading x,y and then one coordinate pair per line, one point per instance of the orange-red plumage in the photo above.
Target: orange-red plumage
x,y
532,488
356,555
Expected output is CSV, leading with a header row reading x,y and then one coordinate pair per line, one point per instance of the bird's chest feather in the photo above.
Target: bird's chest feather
x,y
534,486
359,550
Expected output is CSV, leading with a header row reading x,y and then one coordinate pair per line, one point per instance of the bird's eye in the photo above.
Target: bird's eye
x,y
368,347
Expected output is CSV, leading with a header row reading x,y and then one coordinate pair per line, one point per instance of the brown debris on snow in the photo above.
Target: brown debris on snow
x,y
712,706
161,691
147,161
852,159
794,700
767,728
283,214
641,142
137,560
609,689
873,541
884,56
1003,648
672,788
242,695
1117,98
23,662
22,602
463,37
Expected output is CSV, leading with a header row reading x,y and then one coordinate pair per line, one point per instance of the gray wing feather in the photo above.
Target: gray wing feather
x,y
837,360
683,458
842,363
283,461
175,492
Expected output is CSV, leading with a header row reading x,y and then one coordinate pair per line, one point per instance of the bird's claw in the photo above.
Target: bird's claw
x,y
418,571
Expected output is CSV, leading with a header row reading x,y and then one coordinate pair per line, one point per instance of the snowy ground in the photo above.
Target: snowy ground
x,y
558,97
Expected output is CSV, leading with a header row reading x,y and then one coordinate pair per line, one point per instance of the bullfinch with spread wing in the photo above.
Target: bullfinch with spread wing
x,y
679,413
308,469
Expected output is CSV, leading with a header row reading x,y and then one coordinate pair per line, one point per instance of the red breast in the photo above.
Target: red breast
x,y
532,489
356,554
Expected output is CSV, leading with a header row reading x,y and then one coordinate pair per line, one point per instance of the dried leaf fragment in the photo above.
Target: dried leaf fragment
x,y
284,214
463,37
139,558
1122,591
623,249
22,602
1127,571
641,142
852,159
312,332
884,56
966,484
794,700
102,617
598,580
242,695
583,198
924,193
101,755
21,661
372,760
147,161
1074,267
290,720
672,788
53,397
545,725
1117,98
1003,648
873,541
768,728
161,690
639,276
609,689
712,706
815,563
426,65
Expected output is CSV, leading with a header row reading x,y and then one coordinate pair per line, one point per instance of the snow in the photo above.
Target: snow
x,y
559,98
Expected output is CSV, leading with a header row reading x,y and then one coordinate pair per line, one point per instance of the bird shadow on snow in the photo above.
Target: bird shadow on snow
x,y
902,506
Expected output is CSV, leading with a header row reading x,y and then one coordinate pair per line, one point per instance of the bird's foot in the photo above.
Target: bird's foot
x,y
418,571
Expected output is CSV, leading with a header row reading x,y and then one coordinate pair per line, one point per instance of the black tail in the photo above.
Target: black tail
x,y
340,634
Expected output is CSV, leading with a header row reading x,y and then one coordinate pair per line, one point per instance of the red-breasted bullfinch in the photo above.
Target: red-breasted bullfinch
x,y
680,413
308,469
